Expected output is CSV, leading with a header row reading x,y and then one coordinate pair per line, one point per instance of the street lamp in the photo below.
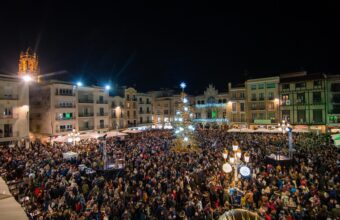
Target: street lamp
x,y
235,160
285,127
73,137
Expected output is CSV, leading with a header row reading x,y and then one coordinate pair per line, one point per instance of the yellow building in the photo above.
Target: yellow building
x,y
262,100
28,65
236,106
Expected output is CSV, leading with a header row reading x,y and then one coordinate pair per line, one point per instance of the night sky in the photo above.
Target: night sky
x,y
156,44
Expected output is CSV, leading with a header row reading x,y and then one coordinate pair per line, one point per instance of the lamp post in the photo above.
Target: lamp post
x,y
73,137
234,160
285,127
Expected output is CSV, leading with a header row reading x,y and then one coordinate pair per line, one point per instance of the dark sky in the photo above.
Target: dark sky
x,y
157,44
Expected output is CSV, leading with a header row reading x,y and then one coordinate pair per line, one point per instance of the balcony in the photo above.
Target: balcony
x,y
9,97
102,114
85,100
102,102
65,94
253,99
261,99
141,102
317,102
102,126
64,130
82,114
9,134
12,116
149,103
65,106
65,119
271,98
86,128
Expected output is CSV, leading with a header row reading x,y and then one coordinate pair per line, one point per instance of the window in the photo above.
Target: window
x,y
147,101
300,85
300,98
262,116
134,114
141,120
220,101
271,85
285,99
242,107
317,83
317,115
261,106
166,112
128,114
285,86
253,87
128,105
301,116
140,110
233,95
271,115
128,97
202,102
271,106
224,100
7,111
286,115
261,86
261,96
335,87
253,106
316,97
270,96
242,95
140,100
253,97
147,110
233,106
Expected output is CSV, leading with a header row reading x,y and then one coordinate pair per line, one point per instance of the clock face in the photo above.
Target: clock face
x,y
245,171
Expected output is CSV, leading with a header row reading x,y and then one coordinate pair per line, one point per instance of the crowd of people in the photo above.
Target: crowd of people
x,y
158,183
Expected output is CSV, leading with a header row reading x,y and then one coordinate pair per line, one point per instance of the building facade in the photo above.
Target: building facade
x,y
333,103
117,112
211,107
262,100
236,106
14,108
303,100
59,107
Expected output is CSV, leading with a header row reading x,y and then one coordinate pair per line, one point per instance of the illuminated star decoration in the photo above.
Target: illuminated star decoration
x,y
183,85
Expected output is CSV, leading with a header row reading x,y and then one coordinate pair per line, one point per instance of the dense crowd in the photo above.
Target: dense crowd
x,y
157,183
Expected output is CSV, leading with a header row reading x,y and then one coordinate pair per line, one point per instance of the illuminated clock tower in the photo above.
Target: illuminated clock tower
x,y
28,65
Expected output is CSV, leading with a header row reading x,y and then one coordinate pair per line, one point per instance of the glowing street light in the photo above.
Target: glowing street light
x,y
107,87
27,78
79,84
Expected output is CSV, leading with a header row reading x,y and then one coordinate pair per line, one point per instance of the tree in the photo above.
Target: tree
x,y
184,127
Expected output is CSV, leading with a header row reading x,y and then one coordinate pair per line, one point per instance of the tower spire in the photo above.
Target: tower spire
x,y
28,64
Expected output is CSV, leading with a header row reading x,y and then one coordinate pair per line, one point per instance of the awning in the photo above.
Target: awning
x,y
132,131
115,134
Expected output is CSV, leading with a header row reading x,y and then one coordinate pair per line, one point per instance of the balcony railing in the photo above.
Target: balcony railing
x,y
85,100
86,128
85,114
317,101
65,94
141,102
64,130
9,97
261,98
102,126
12,116
102,102
253,99
9,134
65,106
102,114
65,119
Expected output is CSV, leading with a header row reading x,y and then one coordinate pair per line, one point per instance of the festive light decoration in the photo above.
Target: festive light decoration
x,y
244,171
184,127
227,168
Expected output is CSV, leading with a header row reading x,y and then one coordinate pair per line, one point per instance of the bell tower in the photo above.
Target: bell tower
x,y
28,65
